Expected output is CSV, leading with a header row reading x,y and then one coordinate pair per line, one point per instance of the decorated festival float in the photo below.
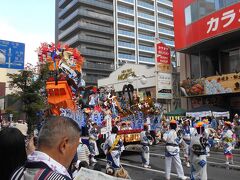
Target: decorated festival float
x,y
67,95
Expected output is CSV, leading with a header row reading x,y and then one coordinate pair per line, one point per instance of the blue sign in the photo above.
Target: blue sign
x,y
11,55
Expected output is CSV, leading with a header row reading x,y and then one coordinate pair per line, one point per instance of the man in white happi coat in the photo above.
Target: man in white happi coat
x,y
145,142
198,153
93,137
172,151
187,131
113,148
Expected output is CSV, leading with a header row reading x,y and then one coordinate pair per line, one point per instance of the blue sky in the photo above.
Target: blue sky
x,y
28,21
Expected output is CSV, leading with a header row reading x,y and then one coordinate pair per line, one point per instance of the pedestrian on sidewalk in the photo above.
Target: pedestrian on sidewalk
x,y
146,140
198,153
172,151
57,144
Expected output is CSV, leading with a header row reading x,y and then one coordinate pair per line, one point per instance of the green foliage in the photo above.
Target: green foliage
x,y
29,87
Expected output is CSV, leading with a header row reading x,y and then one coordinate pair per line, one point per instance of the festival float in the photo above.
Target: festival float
x,y
68,96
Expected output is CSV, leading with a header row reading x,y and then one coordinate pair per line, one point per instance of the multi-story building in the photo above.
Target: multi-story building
x,y
137,25
207,34
109,33
88,25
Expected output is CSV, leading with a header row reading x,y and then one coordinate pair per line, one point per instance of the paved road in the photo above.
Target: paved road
x,y
216,169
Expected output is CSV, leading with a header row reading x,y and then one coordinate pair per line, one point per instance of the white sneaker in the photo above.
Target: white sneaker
x,y
146,166
93,160
184,178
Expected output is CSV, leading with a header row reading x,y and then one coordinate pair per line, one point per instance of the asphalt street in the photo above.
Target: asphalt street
x,y
131,161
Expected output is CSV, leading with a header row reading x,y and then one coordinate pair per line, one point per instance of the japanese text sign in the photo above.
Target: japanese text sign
x,y
163,58
210,26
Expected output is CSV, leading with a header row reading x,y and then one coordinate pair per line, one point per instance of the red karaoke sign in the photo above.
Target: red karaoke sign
x,y
210,26
163,57
163,53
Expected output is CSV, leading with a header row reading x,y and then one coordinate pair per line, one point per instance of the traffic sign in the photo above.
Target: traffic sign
x,y
12,54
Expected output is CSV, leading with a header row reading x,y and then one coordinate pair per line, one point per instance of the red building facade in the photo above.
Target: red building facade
x,y
207,35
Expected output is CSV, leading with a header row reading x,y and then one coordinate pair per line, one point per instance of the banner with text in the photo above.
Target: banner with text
x,y
163,58
164,73
164,86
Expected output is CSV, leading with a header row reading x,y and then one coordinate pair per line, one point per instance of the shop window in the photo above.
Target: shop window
x,y
230,61
195,66
206,7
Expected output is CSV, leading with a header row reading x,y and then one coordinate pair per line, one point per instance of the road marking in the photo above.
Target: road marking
x,y
145,169
210,162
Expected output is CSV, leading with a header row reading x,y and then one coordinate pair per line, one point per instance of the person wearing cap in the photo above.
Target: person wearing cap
x,y
198,153
172,151
93,137
145,142
227,139
83,152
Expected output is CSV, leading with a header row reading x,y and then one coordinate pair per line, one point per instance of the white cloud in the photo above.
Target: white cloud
x,y
32,40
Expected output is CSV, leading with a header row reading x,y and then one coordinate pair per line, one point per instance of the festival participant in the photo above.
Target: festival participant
x,y
227,139
124,126
186,129
57,144
118,125
145,142
214,124
113,148
83,152
237,132
172,151
93,137
208,134
198,154
236,118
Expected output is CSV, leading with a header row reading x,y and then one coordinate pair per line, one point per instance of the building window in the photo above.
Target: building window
x,y
230,61
195,66
206,7
201,8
